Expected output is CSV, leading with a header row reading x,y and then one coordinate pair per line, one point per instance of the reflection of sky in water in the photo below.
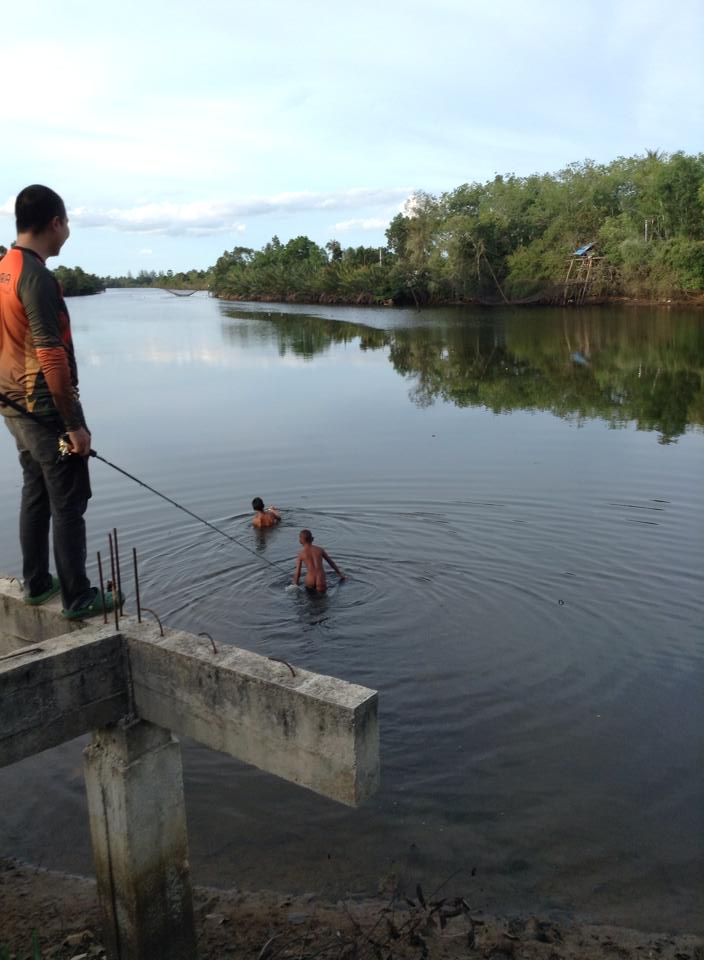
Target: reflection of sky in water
x,y
606,366
514,727
197,356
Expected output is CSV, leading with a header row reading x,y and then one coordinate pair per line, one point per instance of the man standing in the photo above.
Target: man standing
x,y
38,373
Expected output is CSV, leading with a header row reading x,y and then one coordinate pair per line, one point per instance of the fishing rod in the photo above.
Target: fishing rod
x,y
64,451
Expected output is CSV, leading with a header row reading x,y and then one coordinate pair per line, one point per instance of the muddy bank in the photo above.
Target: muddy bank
x,y
328,299
268,926
369,300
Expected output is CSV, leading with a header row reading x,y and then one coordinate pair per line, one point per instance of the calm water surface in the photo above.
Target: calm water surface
x,y
517,499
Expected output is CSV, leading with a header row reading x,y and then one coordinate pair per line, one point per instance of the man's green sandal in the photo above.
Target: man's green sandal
x,y
94,607
47,595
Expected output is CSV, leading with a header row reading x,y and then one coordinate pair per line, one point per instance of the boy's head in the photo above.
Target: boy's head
x,y
305,536
257,503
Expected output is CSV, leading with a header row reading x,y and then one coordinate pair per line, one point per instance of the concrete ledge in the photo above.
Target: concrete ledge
x,y
20,622
132,687
56,690
316,731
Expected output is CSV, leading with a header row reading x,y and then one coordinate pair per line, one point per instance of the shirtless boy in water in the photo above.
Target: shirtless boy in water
x,y
313,558
264,518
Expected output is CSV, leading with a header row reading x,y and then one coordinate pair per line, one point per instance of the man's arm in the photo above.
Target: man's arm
x,y
334,566
297,574
40,299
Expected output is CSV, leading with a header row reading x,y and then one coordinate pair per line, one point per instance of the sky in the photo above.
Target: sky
x,y
176,131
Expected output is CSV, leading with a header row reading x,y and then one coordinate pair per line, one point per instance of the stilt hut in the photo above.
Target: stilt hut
x,y
583,268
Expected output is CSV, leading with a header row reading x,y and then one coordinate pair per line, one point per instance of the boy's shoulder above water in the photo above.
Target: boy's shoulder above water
x,y
264,516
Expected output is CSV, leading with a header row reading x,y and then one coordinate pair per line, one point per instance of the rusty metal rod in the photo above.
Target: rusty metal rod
x,y
279,660
115,606
136,585
156,617
21,653
102,587
117,568
204,634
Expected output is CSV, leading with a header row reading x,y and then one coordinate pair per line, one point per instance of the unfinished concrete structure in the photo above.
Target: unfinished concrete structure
x,y
133,689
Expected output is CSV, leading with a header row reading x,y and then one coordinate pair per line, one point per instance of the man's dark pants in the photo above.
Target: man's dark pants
x,y
56,490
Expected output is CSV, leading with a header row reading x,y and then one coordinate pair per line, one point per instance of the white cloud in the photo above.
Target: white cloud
x,y
146,251
207,218
172,219
364,223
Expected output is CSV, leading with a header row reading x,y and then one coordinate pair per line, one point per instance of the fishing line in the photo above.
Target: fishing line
x,y
64,450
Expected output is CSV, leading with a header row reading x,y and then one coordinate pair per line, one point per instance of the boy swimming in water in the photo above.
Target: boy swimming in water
x,y
268,517
313,558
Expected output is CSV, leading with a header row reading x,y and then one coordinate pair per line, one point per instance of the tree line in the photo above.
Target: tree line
x,y
75,282
506,240
163,279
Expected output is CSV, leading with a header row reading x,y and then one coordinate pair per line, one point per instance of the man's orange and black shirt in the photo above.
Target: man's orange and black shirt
x,y
37,361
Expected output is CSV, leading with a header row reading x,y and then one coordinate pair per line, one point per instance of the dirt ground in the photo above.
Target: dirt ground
x,y
236,925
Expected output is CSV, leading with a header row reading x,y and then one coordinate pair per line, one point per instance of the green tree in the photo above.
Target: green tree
x,y
75,282
506,239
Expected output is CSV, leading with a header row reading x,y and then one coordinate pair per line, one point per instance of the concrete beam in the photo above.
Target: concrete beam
x,y
21,623
58,689
134,784
317,731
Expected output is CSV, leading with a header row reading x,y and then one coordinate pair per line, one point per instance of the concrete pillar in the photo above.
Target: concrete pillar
x,y
137,816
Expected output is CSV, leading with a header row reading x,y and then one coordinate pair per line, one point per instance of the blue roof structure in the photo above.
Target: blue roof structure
x,y
580,251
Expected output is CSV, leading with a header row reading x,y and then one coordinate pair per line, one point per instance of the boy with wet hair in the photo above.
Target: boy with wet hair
x,y
268,517
313,558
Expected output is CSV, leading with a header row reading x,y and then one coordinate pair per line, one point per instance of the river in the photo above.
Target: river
x,y
517,498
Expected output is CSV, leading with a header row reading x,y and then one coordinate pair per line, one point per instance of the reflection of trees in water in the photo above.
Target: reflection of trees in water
x,y
644,367
300,334
618,367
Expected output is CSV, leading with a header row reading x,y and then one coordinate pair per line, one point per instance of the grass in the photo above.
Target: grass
x,y
36,952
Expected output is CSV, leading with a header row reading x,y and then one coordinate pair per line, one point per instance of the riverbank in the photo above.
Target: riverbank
x,y
269,926
369,300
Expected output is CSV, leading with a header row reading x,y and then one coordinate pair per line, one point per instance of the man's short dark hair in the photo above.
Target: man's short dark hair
x,y
258,503
35,208
307,536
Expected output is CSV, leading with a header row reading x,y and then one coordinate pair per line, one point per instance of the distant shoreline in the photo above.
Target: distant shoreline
x,y
367,300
